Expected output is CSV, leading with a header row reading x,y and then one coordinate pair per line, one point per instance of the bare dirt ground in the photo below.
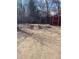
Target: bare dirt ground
x,y
34,43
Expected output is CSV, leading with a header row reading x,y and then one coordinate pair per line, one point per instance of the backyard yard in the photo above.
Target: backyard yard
x,y
38,43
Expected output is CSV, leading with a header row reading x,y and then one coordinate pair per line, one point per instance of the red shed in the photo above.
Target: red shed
x,y
55,17
56,20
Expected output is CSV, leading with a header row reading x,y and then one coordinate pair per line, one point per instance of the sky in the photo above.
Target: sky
x,y
53,6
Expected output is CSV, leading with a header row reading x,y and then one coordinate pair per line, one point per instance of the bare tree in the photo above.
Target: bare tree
x,y
20,10
33,11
